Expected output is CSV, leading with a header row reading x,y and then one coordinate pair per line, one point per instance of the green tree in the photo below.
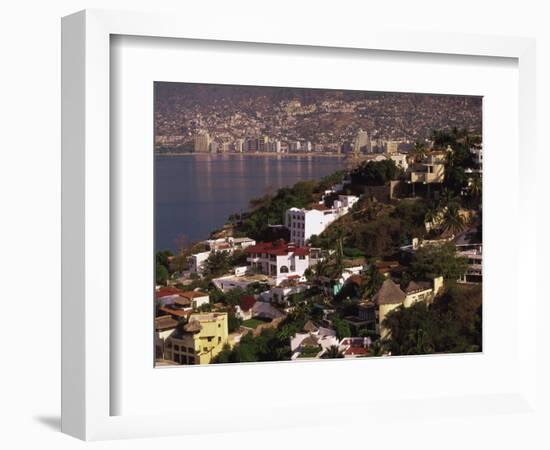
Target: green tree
x,y
438,260
161,274
217,264
341,327
233,322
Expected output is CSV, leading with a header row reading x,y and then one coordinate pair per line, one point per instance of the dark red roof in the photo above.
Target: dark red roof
x,y
167,291
356,351
301,251
277,248
246,302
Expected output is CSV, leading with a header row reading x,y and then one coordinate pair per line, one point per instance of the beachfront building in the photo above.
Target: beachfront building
x,y
198,341
278,260
202,143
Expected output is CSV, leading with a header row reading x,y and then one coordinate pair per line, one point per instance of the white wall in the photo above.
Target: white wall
x,y
30,186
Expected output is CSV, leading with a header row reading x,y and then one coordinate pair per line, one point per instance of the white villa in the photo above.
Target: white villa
x,y
196,262
230,244
304,223
278,260
313,336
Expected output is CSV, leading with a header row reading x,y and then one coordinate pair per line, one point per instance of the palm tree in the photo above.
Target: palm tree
x,y
476,187
333,352
452,221
418,152
432,214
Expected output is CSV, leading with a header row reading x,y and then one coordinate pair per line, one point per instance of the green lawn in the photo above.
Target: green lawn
x,y
309,352
253,323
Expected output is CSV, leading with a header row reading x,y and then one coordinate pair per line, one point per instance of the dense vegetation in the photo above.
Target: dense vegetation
x,y
451,325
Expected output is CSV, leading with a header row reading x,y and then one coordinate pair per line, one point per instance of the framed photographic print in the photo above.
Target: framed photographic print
x,y
300,224
250,220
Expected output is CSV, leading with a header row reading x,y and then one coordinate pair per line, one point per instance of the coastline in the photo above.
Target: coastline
x,y
258,154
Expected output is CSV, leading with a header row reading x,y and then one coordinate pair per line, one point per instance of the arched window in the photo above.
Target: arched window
x,y
284,269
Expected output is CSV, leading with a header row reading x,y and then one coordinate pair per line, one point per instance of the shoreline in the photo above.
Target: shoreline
x,y
257,154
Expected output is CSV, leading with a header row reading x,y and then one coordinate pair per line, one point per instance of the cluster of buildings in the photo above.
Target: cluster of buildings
x,y
294,118
189,329
361,144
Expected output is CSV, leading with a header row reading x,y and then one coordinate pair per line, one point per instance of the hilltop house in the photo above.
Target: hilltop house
x,y
390,296
303,223
469,245
278,260
431,169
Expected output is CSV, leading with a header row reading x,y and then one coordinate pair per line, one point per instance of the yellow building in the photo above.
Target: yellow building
x,y
390,296
200,340
431,169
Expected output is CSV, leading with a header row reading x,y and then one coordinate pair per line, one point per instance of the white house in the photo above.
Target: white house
x,y
229,244
344,203
477,153
304,223
196,298
400,160
196,262
313,336
278,260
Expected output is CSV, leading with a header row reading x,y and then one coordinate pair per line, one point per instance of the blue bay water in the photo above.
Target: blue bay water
x,y
195,194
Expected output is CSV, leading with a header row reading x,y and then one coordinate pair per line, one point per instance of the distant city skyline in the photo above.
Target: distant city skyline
x,y
230,118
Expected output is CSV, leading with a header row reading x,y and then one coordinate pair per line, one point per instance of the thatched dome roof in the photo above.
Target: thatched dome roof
x,y
192,327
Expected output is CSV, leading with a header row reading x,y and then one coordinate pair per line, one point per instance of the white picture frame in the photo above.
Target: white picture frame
x,y
86,218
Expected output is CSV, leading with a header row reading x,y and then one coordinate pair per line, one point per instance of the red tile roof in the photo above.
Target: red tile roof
x,y
167,291
193,294
174,312
246,302
277,248
356,351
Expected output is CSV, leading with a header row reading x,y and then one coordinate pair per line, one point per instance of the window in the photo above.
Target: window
x,y
283,269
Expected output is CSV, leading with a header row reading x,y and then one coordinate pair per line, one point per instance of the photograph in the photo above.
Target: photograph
x,y
301,224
